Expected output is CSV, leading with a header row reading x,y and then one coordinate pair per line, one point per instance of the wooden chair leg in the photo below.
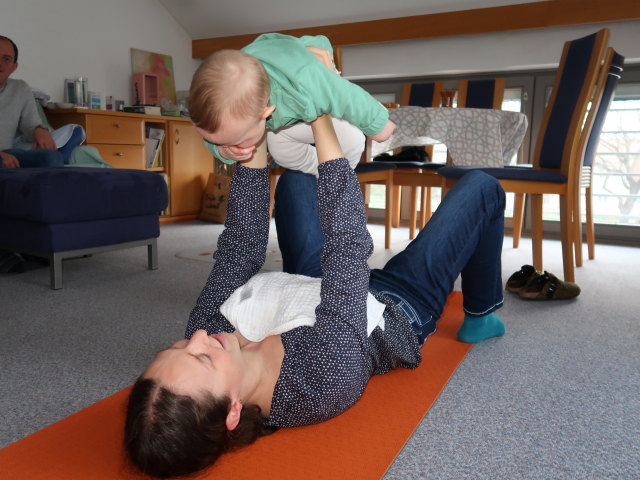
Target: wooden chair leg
x,y
447,184
518,217
566,235
536,230
591,237
396,205
576,223
423,205
413,212
388,210
426,206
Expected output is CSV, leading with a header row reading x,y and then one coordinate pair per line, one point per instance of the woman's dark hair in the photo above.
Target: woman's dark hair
x,y
168,435
15,48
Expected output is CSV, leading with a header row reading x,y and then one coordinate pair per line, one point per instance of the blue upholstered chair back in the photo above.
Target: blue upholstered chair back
x,y
614,74
480,93
421,95
566,110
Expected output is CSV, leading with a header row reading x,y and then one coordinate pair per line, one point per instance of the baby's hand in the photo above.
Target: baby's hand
x,y
385,133
236,153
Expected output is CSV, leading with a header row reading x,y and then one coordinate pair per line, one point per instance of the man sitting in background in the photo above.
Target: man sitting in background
x,y
18,114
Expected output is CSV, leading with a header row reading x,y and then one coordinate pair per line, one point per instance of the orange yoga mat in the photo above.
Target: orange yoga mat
x,y
359,444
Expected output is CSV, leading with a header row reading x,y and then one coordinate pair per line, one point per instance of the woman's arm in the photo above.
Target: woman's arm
x,y
348,245
327,144
259,159
327,367
242,245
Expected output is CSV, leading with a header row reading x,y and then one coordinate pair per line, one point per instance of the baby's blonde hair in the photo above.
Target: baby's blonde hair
x,y
229,83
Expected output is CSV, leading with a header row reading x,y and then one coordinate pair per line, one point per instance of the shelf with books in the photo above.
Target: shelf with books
x,y
154,146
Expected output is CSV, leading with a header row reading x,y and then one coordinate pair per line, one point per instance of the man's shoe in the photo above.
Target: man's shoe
x,y
547,286
521,278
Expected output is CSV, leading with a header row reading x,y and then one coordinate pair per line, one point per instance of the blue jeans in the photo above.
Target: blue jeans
x,y
300,236
76,138
464,236
37,158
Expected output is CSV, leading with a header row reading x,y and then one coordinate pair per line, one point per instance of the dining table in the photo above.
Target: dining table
x,y
473,136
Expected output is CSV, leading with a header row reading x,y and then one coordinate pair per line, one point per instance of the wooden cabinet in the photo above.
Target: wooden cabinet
x,y
189,168
114,129
120,139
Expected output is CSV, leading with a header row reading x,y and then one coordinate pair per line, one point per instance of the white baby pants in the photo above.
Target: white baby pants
x,y
291,147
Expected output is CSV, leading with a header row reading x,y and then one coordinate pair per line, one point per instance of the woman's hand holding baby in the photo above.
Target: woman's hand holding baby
x,y
236,153
327,144
257,158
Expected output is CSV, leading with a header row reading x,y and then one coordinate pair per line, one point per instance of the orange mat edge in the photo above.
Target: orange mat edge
x,y
367,435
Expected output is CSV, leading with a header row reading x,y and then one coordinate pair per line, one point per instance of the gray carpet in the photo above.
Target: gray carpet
x,y
556,398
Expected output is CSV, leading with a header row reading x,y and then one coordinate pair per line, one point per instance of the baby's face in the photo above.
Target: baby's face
x,y
239,133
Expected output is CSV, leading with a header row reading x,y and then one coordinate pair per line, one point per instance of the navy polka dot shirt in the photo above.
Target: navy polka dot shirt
x,y
326,367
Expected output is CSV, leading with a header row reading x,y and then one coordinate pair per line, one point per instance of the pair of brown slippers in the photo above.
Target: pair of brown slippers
x,y
530,284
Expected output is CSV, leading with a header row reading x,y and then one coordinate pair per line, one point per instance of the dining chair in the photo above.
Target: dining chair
x,y
608,82
412,172
557,153
481,93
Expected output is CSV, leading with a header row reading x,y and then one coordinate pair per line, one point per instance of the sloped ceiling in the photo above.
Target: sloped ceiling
x,y
219,18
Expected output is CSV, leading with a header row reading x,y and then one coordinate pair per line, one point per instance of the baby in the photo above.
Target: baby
x,y
279,83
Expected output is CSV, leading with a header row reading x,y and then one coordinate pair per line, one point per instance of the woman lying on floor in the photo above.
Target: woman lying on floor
x,y
267,350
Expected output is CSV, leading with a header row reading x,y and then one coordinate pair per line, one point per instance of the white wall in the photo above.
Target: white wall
x,y
60,39
520,50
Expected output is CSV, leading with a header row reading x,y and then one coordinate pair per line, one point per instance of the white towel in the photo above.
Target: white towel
x,y
275,302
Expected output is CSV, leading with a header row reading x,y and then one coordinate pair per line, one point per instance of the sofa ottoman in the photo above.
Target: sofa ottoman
x,y
59,213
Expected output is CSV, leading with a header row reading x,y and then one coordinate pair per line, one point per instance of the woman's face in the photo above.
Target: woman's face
x,y
211,363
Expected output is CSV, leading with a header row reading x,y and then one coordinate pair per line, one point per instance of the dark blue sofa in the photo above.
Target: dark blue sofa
x,y
59,213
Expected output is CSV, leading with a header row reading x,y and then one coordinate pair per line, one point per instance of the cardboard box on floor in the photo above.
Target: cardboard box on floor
x,y
215,198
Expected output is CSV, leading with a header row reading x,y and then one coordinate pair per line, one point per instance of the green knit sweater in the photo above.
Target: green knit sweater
x,y
302,88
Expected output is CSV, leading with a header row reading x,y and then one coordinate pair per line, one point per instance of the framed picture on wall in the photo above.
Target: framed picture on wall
x,y
162,67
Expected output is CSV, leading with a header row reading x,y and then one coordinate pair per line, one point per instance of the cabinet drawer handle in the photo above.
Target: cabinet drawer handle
x,y
117,125
177,135
119,154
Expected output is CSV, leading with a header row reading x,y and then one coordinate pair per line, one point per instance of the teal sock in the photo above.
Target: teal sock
x,y
477,329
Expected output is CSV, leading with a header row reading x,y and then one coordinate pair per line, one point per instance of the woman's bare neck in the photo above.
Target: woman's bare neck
x,y
265,358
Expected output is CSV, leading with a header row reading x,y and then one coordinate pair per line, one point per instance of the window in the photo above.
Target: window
x,y
616,167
